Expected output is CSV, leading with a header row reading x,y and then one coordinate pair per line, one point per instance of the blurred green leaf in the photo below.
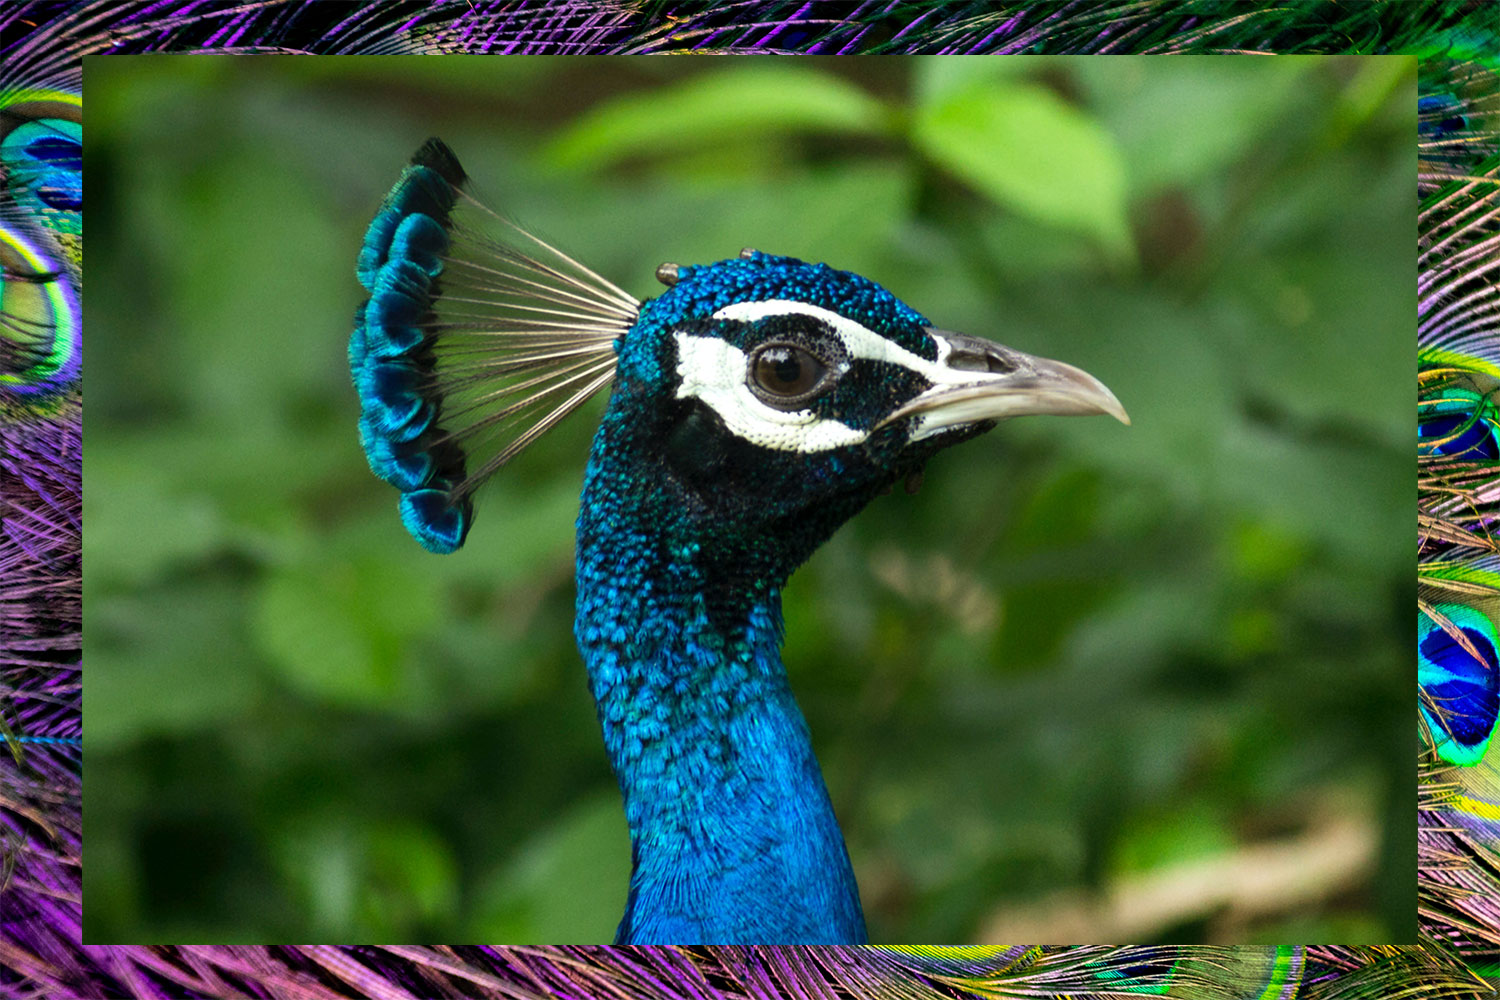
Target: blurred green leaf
x,y
1295,311
394,877
764,98
457,80
1158,111
413,879
527,534
1263,554
319,857
338,630
935,78
1341,494
567,886
187,524
1172,835
850,217
169,659
1025,148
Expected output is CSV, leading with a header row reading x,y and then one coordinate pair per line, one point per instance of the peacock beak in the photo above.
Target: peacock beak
x,y
981,380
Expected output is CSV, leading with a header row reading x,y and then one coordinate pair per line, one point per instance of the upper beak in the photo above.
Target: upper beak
x,y
981,380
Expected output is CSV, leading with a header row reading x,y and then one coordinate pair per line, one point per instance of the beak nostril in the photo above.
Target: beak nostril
x,y
979,361
972,354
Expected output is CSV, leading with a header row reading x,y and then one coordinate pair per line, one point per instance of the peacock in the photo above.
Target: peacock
x,y
756,404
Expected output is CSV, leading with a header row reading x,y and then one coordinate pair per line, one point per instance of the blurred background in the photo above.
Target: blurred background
x,y
1091,683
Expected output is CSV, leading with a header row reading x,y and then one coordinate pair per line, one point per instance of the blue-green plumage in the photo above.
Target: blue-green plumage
x,y
685,539
756,405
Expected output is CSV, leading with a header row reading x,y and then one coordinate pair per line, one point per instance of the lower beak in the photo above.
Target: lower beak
x,y
982,380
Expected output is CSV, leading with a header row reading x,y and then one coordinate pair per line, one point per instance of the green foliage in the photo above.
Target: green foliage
x,y
339,630
560,886
1029,150
1081,654
1150,104
740,104
392,877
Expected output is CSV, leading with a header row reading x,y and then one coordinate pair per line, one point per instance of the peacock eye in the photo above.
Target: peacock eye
x,y
785,372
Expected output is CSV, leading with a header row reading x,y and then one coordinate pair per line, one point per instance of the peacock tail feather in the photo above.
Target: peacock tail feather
x,y
1459,795
761,973
1458,485
41,213
40,949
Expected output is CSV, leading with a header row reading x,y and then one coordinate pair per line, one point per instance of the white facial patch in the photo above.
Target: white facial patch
x,y
714,371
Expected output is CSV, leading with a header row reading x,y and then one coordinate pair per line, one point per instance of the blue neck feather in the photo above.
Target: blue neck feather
x,y
732,833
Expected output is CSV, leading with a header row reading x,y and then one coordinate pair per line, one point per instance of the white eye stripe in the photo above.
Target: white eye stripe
x,y
860,341
713,371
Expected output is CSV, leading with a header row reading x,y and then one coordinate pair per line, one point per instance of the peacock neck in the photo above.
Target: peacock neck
x,y
733,836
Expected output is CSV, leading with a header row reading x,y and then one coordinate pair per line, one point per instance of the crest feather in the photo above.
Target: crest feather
x,y
469,347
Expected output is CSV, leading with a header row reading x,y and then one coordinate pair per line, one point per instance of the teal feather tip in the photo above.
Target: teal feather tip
x,y
390,356
467,348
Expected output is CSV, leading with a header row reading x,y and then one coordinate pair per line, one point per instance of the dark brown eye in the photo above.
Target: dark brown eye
x,y
785,371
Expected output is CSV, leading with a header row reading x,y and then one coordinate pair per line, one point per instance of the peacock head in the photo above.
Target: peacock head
x,y
778,394
759,395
